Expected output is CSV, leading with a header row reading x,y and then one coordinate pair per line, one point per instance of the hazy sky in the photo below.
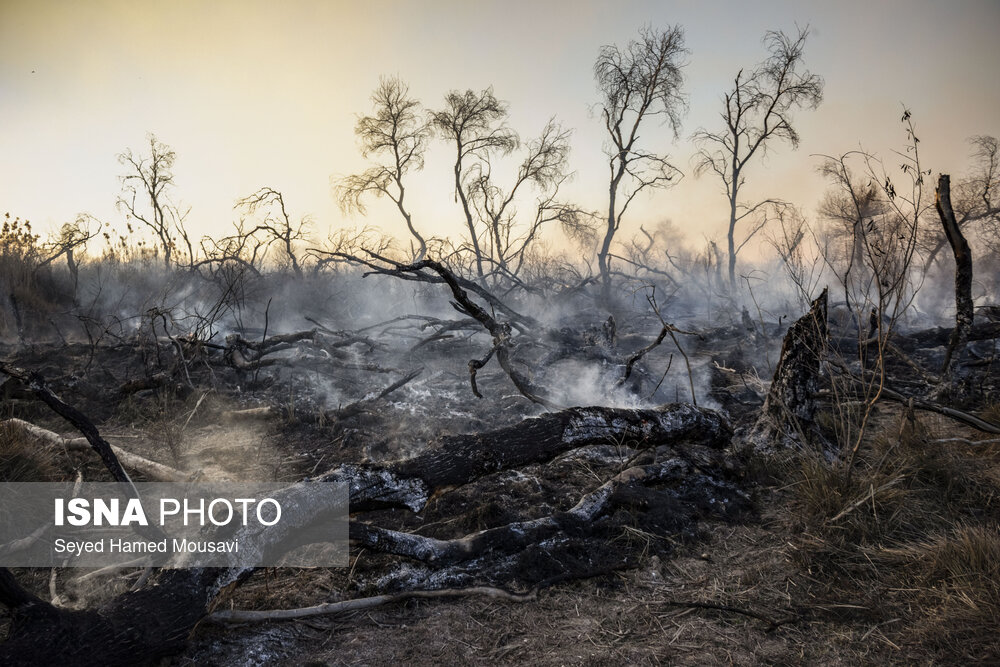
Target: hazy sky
x,y
266,93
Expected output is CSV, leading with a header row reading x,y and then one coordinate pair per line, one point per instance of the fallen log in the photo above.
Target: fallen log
x,y
458,460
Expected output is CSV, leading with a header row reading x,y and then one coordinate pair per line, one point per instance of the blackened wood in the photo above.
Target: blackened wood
x,y
964,307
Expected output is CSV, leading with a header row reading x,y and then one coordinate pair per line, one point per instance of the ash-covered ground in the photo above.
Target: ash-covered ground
x,y
719,556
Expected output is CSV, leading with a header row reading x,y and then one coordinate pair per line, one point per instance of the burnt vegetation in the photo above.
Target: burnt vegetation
x,y
797,452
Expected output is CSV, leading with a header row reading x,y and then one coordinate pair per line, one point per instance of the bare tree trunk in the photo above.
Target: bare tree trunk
x,y
730,238
964,307
602,256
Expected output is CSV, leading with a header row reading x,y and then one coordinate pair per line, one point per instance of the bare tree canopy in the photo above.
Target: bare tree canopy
x,y
476,125
276,229
758,112
641,81
145,195
508,237
395,138
975,199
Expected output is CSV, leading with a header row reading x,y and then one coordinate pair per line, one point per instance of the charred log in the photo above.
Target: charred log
x,y
135,628
581,519
458,460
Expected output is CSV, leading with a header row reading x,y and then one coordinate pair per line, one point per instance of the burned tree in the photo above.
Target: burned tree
x,y
974,201
638,83
72,237
475,124
275,229
879,227
757,114
964,305
495,208
396,133
146,195
787,417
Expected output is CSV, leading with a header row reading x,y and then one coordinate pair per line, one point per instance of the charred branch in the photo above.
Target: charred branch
x,y
578,520
36,384
124,631
500,331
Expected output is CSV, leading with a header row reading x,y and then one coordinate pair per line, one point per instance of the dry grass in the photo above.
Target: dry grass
x,y
908,539
991,413
956,577
24,460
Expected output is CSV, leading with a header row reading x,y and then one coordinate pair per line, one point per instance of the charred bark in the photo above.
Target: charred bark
x,y
134,628
500,331
964,306
34,383
624,489
787,417
458,460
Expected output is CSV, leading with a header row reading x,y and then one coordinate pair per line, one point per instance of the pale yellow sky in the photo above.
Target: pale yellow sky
x,y
262,93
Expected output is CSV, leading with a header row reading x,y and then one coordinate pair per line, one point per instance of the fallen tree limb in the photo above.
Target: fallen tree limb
x,y
966,441
639,354
155,620
920,404
358,604
151,469
501,333
958,415
366,404
772,623
35,383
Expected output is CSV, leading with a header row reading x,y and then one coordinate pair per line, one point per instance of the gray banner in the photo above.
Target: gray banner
x,y
238,524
